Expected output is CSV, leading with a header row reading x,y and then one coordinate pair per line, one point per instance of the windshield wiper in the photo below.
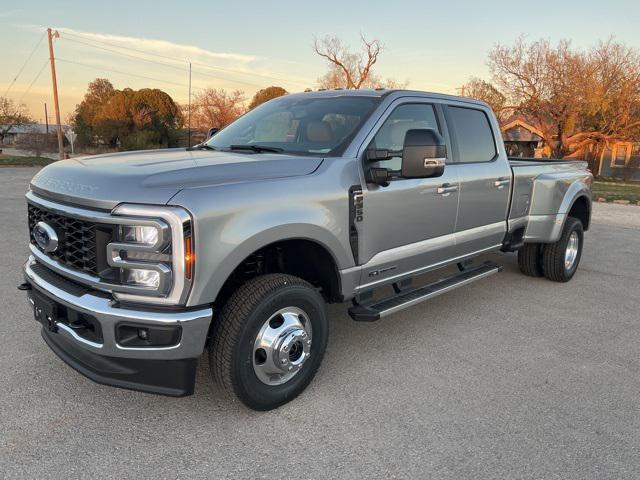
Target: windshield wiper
x,y
201,146
256,148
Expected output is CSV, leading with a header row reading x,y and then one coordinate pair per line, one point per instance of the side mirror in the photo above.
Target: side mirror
x,y
212,132
424,154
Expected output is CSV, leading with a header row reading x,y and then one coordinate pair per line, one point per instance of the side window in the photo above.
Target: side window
x,y
473,134
403,118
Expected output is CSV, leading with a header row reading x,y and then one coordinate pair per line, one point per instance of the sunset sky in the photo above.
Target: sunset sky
x,y
248,45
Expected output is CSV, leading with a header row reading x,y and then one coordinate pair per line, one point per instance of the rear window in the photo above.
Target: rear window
x,y
473,134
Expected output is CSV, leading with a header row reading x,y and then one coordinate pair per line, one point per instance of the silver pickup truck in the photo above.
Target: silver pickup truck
x,y
141,261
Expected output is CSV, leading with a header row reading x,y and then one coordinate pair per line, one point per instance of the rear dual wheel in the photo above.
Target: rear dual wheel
x,y
556,261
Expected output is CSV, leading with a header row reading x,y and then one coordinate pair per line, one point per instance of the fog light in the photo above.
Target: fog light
x,y
139,234
141,277
143,333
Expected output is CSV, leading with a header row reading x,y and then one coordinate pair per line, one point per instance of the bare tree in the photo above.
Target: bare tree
x,y
11,116
579,100
216,108
485,91
347,69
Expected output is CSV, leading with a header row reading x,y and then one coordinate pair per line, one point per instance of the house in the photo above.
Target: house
x,y
16,132
619,159
522,139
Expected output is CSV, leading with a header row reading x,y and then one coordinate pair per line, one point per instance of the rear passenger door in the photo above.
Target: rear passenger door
x,y
485,179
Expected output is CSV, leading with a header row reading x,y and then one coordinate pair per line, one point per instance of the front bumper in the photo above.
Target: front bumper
x,y
168,370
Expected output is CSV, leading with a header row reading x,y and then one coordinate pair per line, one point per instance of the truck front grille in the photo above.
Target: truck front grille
x,y
76,239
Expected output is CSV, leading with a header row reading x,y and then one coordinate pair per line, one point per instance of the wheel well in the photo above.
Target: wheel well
x,y
582,211
302,258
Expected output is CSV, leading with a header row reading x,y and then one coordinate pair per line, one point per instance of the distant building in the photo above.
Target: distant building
x,y
16,132
522,139
620,159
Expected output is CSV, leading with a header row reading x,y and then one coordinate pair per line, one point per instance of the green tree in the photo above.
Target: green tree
x,y
11,116
131,119
265,95
98,94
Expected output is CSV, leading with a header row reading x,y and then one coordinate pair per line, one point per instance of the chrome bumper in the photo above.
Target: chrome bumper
x,y
194,323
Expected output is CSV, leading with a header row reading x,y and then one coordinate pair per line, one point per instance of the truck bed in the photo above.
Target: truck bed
x,y
543,175
528,161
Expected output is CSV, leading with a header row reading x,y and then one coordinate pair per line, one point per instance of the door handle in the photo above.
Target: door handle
x,y
501,182
446,189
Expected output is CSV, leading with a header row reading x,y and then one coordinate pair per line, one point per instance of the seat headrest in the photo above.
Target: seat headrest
x,y
319,131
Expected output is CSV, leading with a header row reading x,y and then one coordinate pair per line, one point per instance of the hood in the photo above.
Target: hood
x,y
154,176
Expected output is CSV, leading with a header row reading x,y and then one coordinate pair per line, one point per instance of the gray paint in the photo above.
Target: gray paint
x,y
242,202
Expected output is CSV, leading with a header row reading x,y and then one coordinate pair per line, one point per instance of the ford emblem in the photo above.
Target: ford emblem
x,y
45,237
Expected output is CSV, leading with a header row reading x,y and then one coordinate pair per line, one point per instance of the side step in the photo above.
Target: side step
x,y
369,312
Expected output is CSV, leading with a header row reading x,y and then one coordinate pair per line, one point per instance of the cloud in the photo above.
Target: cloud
x,y
161,47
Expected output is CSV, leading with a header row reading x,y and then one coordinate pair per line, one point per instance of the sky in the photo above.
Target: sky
x,y
247,45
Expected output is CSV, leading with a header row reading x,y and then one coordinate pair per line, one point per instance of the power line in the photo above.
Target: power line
x,y
24,64
33,81
120,72
175,67
166,57
137,57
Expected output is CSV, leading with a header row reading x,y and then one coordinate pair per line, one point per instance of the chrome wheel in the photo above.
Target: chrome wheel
x,y
571,253
282,346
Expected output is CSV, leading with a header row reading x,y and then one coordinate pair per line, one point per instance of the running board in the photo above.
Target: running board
x,y
370,312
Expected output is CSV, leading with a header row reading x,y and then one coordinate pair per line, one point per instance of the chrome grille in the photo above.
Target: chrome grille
x,y
77,239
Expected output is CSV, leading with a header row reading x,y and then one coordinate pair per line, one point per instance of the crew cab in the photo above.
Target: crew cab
x,y
140,262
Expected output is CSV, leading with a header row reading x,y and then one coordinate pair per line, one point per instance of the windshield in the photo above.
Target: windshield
x,y
308,126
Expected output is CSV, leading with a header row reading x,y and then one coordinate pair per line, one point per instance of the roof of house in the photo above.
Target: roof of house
x,y
36,128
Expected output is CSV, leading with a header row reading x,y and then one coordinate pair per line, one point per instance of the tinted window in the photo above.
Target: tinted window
x,y
299,124
391,134
473,134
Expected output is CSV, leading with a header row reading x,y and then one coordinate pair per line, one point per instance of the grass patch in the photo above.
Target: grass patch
x,y
616,191
16,161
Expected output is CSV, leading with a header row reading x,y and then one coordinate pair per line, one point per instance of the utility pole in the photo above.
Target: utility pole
x,y
189,110
46,117
50,35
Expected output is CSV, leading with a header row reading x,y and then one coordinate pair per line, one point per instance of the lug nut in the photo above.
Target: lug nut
x,y
283,361
290,368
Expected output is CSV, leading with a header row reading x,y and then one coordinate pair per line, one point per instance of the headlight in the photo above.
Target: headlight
x,y
147,235
141,277
152,255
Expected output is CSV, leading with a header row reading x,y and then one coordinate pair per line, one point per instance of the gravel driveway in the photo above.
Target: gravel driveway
x,y
509,378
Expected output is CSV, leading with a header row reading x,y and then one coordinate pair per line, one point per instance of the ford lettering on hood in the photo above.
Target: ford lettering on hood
x,y
154,176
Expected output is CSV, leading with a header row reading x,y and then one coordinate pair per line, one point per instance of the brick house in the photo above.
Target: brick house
x,y
620,159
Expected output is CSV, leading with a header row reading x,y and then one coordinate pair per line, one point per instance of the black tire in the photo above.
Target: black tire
x,y
530,259
553,254
235,330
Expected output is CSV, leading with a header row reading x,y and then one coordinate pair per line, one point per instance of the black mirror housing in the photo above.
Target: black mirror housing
x,y
424,154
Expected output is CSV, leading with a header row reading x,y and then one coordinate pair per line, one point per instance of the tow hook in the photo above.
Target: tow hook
x,y
25,286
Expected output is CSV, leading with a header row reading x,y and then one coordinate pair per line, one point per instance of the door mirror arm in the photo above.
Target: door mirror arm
x,y
379,176
378,155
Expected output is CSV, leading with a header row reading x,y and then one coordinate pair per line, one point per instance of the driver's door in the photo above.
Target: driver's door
x,y
409,224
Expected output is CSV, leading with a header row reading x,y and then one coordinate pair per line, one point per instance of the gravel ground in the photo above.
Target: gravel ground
x,y
509,378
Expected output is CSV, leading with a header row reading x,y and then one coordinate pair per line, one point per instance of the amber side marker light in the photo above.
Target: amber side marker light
x,y
189,257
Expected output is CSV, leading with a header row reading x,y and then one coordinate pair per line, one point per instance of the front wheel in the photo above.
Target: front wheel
x,y
560,260
269,340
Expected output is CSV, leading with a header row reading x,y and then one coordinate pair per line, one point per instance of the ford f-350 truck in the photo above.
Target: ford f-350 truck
x,y
141,261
